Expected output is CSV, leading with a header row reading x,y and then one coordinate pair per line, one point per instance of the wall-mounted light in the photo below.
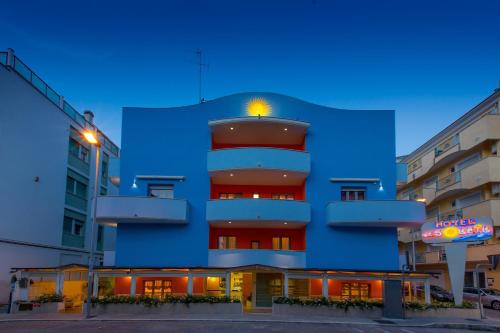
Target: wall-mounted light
x,y
380,186
134,184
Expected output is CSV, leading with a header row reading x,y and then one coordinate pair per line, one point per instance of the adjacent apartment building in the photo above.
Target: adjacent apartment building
x,y
457,175
48,176
255,195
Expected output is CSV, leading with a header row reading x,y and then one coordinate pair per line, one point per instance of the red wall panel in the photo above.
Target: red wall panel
x,y
245,235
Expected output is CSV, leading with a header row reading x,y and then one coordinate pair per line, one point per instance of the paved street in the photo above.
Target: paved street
x,y
194,327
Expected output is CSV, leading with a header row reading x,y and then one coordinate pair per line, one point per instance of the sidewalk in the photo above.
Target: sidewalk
x,y
489,324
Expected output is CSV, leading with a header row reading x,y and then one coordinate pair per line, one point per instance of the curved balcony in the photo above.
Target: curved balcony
x,y
258,213
258,166
240,257
141,210
272,131
383,213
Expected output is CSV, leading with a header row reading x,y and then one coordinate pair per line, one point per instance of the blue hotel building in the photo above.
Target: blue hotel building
x,y
256,195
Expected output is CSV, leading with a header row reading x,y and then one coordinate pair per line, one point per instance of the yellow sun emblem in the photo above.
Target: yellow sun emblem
x,y
450,232
258,107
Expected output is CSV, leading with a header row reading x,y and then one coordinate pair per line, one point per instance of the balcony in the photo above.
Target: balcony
x,y
486,128
258,213
481,252
490,208
483,171
383,213
272,131
431,257
240,257
258,166
112,210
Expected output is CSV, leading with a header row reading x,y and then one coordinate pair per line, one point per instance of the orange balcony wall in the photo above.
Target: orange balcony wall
x,y
244,237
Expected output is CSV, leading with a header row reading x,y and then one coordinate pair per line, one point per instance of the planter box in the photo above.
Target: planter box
x,y
169,308
324,311
39,307
445,313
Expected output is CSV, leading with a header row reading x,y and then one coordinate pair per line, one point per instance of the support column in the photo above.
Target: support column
x,y
285,284
23,287
190,284
132,285
60,283
228,284
95,287
324,286
427,292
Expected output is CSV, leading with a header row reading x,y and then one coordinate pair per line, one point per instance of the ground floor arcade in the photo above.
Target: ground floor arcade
x,y
254,286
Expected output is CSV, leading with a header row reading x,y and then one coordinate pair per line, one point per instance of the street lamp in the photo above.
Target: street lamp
x,y
91,138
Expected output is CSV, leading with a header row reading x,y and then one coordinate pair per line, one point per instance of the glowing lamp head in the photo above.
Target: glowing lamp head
x,y
258,107
91,137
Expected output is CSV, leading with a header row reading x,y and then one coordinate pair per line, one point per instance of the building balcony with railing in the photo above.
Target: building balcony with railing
x,y
477,173
484,127
375,213
112,210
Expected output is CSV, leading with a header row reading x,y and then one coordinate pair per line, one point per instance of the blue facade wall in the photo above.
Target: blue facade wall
x,y
341,143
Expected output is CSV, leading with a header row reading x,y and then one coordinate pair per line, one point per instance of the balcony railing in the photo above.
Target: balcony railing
x,y
293,212
24,71
449,180
381,213
258,158
141,210
243,257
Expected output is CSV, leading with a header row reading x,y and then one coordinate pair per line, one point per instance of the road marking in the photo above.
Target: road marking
x,y
406,331
357,330
382,330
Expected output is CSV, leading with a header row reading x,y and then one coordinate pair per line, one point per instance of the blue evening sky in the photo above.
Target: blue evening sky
x,y
431,61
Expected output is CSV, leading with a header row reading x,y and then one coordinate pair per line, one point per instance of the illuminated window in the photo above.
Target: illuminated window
x,y
255,244
227,242
356,193
355,290
283,196
281,243
256,195
157,288
230,195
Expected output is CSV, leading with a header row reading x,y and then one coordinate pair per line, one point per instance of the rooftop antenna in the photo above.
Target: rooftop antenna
x,y
201,65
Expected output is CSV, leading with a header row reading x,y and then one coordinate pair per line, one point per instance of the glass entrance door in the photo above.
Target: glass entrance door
x,y
267,286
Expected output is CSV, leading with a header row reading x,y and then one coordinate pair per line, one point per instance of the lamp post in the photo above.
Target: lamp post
x,y
91,138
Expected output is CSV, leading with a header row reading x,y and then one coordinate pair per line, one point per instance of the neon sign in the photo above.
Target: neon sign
x,y
452,231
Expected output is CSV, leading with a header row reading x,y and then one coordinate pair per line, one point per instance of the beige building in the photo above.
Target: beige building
x,y
457,174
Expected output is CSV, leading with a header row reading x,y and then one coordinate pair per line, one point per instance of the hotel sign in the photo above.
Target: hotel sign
x,y
454,231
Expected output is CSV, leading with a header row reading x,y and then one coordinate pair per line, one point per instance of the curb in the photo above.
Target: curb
x,y
467,326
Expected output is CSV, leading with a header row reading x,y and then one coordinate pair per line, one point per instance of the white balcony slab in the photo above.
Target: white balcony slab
x,y
258,166
258,213
376,213
244,257
141,210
